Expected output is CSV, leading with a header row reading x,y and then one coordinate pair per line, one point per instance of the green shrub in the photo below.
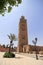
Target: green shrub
x,y
9,55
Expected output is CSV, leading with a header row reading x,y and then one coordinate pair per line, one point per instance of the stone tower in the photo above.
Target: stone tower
x,y
22,34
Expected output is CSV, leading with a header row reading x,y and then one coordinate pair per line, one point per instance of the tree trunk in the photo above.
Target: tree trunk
x,y
36,53
9,49
10,46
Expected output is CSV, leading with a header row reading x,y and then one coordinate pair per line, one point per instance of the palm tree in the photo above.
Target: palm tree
x,y
12,38
34,42
3,45
7,45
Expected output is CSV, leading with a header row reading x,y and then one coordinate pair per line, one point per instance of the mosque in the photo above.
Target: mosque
x,y
23,45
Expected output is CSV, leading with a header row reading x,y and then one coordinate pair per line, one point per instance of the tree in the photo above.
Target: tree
x,y
34,42
7,46
6,5
3,45
12,38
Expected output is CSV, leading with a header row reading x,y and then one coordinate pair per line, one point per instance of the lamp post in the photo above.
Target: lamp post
x,y
34,42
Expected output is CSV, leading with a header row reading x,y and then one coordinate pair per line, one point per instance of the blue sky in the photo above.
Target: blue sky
x,y
33,12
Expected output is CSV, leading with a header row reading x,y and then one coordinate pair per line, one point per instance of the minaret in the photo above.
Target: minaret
x,y
22,34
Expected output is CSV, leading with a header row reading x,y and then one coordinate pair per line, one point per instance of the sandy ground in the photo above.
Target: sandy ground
x,y
19,60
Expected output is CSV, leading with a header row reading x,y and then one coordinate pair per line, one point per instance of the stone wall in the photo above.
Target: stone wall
x,y
2,49
31,49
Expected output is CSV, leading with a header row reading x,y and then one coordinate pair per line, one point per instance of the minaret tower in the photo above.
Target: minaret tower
x,y
22,34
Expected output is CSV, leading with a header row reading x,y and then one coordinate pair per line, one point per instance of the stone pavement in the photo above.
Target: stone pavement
x,y
19,60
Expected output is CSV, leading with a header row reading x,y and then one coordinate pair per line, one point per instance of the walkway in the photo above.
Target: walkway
x,y
19,60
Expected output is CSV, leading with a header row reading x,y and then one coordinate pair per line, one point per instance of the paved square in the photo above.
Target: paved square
x,y
19,60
